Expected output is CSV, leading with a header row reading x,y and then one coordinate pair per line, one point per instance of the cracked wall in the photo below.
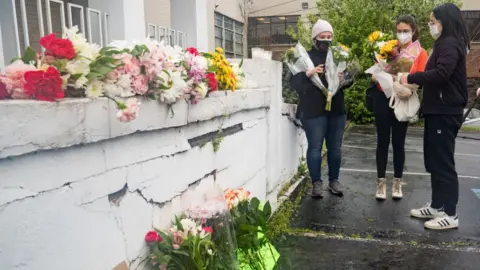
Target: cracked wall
x,y
79,190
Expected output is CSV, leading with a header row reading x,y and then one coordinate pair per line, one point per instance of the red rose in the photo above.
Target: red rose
x,y
152,236
58,47
212,82
44,85
208,230
3,90
192,50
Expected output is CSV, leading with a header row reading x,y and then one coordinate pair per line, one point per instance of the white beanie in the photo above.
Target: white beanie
x,y
320,27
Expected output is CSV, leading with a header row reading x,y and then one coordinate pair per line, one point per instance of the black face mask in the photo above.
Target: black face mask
x,y
323,45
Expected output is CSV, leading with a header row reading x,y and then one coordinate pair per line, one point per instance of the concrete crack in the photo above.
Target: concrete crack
x,y
37,194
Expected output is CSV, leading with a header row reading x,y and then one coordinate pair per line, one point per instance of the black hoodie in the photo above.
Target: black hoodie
x,y
312,100
445,78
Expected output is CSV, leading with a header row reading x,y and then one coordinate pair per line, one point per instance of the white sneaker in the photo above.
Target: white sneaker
x,y
444,222
397,193
426,212
381,189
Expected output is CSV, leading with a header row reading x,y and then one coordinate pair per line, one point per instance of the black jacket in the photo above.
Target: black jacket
x,y
445,79
312,100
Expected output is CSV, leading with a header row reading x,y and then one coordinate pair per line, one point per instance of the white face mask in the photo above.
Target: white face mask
x,y
434,31
404,38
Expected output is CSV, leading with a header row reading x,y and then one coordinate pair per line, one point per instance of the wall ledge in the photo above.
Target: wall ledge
x,y
27,125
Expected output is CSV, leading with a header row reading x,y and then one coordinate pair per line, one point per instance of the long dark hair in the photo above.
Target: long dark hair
x,y
452,22
410,20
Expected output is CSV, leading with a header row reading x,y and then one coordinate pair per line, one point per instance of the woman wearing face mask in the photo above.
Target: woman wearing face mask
x,y
319,124
386,123
444,99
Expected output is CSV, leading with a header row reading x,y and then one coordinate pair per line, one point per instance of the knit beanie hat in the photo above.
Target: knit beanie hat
x,y
320,27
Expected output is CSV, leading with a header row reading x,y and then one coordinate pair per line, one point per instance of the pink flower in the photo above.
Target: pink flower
x,y
177,240
140,84
128,112
14,79
113,75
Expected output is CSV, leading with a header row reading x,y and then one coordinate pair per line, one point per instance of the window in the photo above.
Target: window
x,y
472,20
32,19
264,31
152,31
229,35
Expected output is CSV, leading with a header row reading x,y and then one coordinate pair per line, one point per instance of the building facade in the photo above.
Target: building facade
x,y
204,24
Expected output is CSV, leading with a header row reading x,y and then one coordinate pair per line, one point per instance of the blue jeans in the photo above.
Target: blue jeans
x,y
318,130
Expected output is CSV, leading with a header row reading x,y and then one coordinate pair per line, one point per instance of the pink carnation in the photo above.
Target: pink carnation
x,y
130,112
140,84
14,79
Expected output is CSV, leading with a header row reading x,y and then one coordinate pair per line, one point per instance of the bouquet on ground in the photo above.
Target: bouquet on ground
x,y
210,210
186,245
255,250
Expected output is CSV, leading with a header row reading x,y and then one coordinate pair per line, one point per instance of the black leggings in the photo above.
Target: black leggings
x,y
386,123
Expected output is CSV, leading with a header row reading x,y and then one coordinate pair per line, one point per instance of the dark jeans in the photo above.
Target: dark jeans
x,y
439,150
387,125
329,129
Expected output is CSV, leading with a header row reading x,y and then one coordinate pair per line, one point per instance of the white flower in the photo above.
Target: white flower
x,y
202,89
81,82
201,63
122,44
80,66
176,91
210,252
95,89
189,225
380,44
124,81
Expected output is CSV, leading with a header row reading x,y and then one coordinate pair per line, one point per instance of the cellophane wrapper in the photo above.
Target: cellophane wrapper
x,y
210,209
298,60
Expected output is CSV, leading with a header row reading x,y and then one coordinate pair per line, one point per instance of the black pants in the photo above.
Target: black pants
x,y
387,125
439,155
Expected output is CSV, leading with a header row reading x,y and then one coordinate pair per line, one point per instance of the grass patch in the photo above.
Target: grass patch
x,y
470,129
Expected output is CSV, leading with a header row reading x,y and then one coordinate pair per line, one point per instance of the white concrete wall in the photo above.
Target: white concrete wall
x,y
115,10
79,190
185,18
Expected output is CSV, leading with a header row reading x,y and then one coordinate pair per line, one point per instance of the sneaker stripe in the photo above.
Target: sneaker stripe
x,y
422,211
441,223
428,211
447,221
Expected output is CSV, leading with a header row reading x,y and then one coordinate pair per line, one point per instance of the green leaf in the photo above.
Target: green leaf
x,y
241,63
267,210
29,55
255,203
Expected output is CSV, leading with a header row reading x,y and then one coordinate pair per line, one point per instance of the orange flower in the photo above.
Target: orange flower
x,y
235,196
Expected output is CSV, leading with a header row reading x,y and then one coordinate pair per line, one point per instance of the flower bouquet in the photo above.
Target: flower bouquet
x,y
255,250
210,210
339,60
223,71
186,245
298,60
385,51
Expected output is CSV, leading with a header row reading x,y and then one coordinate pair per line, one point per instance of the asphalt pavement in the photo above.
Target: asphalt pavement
x,y
358,232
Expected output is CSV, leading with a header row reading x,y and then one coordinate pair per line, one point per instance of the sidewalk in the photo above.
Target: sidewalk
x,y
373,231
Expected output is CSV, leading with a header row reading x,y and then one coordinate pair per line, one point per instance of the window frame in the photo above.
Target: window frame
x,y
234,33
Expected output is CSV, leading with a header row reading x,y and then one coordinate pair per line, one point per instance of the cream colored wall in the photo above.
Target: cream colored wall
x,y
158,12
282,7
471,5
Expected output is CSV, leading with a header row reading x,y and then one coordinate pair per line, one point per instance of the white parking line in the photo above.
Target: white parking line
x,y
405,173
406,150
413,138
